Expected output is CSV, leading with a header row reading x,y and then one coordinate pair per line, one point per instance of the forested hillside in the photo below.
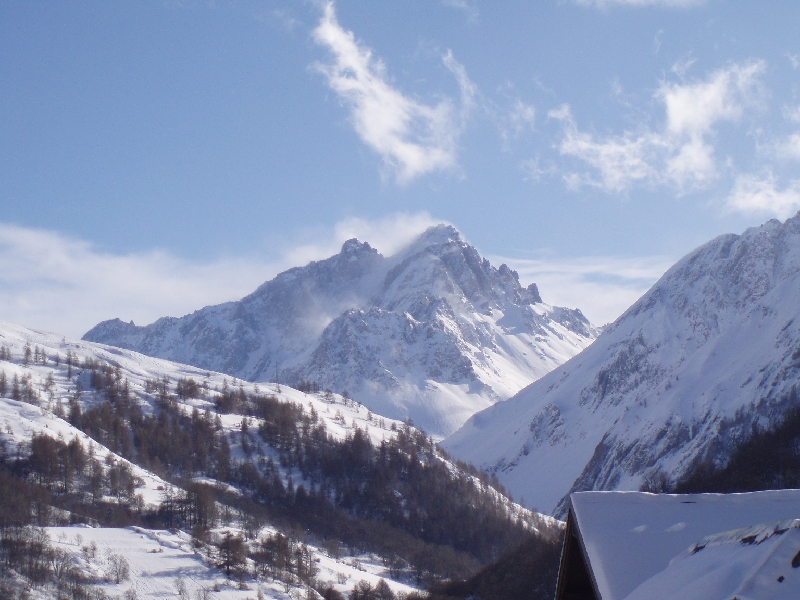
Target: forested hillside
x,y
319,472
768,458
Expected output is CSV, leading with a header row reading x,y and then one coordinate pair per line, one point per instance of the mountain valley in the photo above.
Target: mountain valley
x,y
693,388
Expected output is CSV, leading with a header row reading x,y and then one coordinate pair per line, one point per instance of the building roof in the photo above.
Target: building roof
x,y
629,538
756,562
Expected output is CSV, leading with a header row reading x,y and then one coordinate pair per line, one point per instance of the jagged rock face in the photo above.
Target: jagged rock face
x,y
251,337
434,333
710,350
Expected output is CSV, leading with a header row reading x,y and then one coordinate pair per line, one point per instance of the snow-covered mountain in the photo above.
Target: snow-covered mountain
x,y
709,352
47,372
49,385
44,376
434,333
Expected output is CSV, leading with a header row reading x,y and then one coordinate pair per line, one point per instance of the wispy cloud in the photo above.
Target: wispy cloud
x,y
762,195
413,138
520,118
54,282
602,287
59,283
680,153
534,169
469,8
787,147
287,21
657,41
388,235
618,161
791,113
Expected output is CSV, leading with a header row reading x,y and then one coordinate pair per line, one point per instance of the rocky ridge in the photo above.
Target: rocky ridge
x,y
434,333
709,352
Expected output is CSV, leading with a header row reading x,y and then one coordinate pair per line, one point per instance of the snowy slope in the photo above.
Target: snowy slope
x,y
19,421
52,389
755,562
632,539
339,416
156,558
712,348
434,333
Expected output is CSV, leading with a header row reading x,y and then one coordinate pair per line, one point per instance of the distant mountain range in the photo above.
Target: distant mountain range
x,y
710,353
433,333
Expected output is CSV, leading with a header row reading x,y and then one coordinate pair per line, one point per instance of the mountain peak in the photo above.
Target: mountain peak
x,y
415,335
708,354
439,234
353,246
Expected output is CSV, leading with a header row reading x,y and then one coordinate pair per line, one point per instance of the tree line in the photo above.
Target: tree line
x,y
401,498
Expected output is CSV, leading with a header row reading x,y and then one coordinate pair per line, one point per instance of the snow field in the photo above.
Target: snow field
x,y
159,559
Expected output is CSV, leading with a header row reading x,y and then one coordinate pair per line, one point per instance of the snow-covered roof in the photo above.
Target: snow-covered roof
x,y
631,537
756,562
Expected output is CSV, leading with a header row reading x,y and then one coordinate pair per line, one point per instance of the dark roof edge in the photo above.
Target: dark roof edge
x,y
572,522
564,553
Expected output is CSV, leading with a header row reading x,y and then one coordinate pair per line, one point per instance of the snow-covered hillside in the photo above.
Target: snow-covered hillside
x,y
34,367
52,386
47,375
710,350
434,333
167,564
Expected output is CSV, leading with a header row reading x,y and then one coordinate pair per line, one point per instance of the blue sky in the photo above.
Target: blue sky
x,y
159,156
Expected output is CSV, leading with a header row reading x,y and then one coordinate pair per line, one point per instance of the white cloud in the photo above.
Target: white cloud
x,y
412,138
54,282
519,119
602,287
664,3
789,147
469,8
694,108
760,195
58,283
620,160
792,113
387,235
680,153
693,162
